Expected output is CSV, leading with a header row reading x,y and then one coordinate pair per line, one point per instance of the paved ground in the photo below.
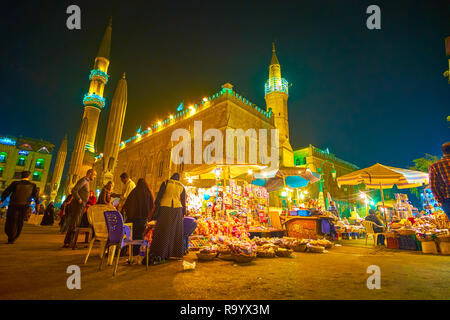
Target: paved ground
x,y
35,268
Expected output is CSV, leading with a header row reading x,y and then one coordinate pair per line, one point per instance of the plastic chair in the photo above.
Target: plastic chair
x,y
368,225
114,223
96,219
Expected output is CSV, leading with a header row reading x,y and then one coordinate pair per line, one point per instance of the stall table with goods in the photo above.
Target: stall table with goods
x,y
429,234
221,207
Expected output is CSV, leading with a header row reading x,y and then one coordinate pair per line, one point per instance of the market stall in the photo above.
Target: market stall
x,y
221,195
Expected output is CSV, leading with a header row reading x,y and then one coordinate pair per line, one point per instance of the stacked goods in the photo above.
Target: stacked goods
x,y
243,251
283,252
294,244
342,227
232,226
266,251
444,243
392,240
314,248
207,253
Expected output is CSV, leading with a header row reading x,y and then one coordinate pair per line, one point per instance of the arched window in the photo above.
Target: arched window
x,y
37,176
39,163
3,157
21,161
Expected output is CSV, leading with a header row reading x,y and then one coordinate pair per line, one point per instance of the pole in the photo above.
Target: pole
x,y
384,208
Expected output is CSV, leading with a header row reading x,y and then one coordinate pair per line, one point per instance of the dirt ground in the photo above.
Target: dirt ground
x,y
35,268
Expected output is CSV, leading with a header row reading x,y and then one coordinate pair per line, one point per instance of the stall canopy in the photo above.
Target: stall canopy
x,y
382,177
208,171
274,180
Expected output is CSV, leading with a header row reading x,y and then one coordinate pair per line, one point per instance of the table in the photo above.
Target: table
x,y
304,227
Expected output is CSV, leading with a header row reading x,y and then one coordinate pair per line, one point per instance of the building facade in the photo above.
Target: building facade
x,y
148,154
19,154
330,167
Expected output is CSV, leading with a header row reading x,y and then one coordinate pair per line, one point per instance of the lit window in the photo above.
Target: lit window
x,y
21,161
37,176
40,164
3,157
1,172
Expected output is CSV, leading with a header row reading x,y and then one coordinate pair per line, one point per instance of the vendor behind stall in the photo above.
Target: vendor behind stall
x,y
372,216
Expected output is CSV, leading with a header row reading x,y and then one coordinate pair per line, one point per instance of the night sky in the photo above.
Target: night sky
x,y
369,96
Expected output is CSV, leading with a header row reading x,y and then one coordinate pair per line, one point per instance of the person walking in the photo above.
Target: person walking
x,y
170,209
440,179
139,207
22,192
80,194
105,194
49,215
128,186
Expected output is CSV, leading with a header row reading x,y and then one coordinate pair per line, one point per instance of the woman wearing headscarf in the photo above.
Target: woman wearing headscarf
x,y
139,207
170,209
49,215
92,201
105,195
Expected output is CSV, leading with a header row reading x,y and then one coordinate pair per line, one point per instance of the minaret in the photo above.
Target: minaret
x,y
93,101
83,154
76,162
276,96
59,167
114,129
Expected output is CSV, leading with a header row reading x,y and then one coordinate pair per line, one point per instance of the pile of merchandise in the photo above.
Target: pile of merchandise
x,y
342,226
246,250
431,226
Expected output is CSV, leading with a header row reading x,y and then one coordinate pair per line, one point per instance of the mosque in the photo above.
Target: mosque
x,y
148,154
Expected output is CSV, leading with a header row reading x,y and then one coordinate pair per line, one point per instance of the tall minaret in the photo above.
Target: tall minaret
x,y
276,96
76,161
114,129
59,167
83,154
93,101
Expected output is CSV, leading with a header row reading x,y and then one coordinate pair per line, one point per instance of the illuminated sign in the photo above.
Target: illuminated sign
x,y
7,141
23,152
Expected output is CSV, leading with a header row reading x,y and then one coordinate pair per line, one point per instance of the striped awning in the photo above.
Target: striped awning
x,y
385,177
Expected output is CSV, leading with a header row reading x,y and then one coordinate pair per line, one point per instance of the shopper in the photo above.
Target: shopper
x,y
128,186
80,193
49,215
105,194
440,179
22,192
139,208
372,216
170,208
92,201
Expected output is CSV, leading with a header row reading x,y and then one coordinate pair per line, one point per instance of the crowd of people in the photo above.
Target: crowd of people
x,y
138,207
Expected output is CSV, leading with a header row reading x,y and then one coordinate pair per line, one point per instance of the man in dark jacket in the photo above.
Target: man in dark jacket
x,y
22,192
372,216
80,193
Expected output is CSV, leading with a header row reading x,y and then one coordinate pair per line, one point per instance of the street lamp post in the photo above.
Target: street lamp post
x,y
322,183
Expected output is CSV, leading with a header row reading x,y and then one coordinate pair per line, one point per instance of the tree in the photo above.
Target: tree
x,y
422,164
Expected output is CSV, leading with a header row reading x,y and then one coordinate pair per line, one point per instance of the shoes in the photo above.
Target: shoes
x,y
65,245
10,242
